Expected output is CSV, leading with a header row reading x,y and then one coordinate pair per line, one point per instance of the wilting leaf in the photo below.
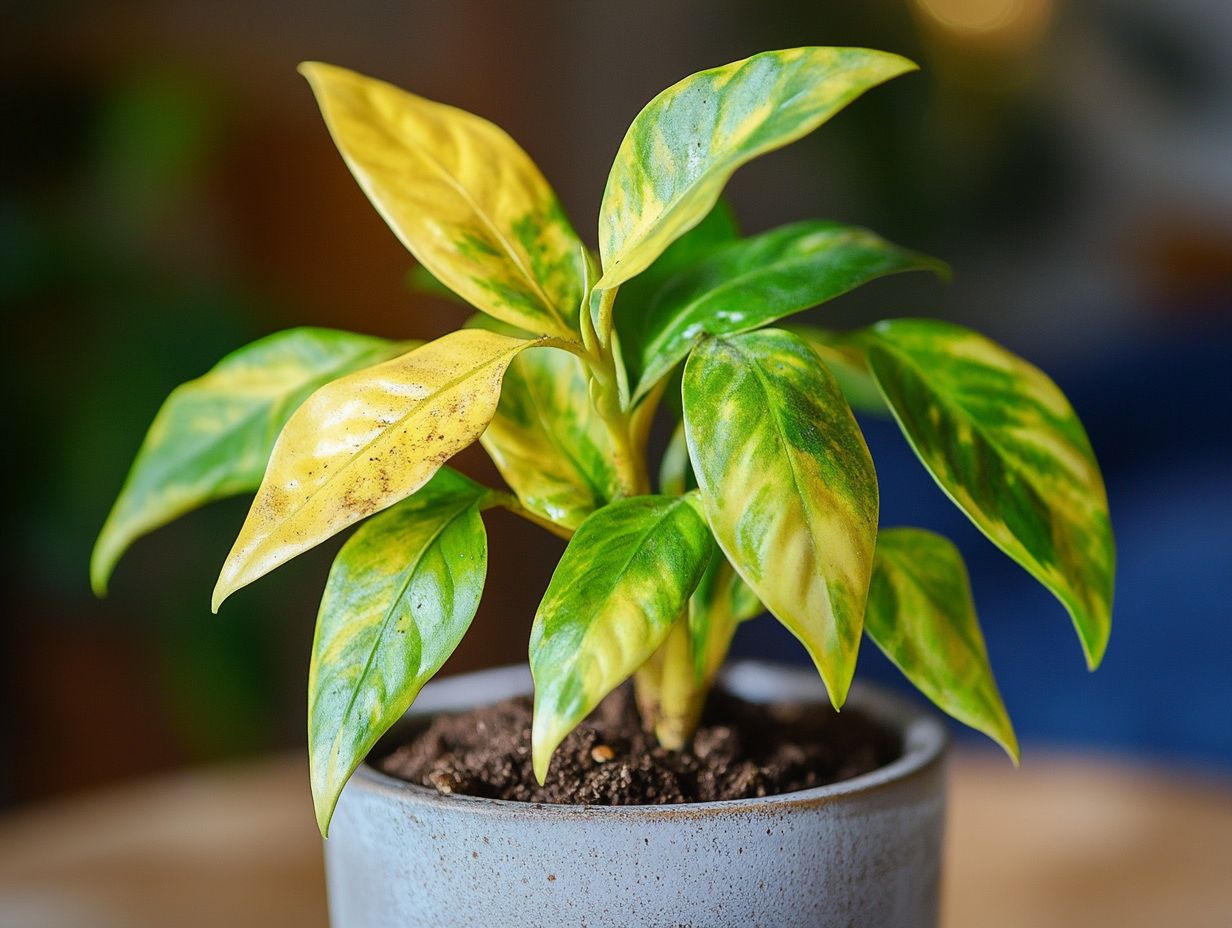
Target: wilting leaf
x,y
546,439
400,596
747,283
623,580
921,615
461,195
366,441
787,485
213,435
682,148
1004,443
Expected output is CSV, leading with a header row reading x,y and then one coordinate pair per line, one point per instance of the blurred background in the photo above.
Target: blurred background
x,y
170,193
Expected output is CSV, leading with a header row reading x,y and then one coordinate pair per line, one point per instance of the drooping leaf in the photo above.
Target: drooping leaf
x,y
1004,443
848,362
920,614
213,435
787,485
366,441
747,283
684,145
400,596
721,602
461,195
546,438
623,580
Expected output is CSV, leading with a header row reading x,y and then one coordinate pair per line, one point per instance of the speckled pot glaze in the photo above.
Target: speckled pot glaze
x,y
865,852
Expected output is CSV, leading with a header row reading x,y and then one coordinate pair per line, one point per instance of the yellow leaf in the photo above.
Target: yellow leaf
x,y
461,195
366,441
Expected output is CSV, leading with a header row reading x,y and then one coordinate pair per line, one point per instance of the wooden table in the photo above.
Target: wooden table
x,y
1061,842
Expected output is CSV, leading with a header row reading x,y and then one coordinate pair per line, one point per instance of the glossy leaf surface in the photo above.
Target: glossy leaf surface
x,y
212,437
461,195
366,441
684,145
787,485
748,283
546,439
400,596
920,614
1004,443
623,580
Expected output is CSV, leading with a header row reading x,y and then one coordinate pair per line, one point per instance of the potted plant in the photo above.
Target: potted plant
x,y
766,500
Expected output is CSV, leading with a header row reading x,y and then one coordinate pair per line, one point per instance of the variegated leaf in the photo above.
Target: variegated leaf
x,y
848,362
787,485
461,195
747,283
687,141
920,614
400,596
213,435
546,438
366,441
623,580
1004,443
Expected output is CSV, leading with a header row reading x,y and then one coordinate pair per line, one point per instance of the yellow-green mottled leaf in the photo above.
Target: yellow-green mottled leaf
x,y
623,580
787,485
400,596
1004,443
546,439
461,195
921,615
366,441
213,435
747,283
847,361
682,148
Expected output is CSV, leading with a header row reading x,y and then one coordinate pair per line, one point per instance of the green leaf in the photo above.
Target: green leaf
x,y
1004,443
400,596
623,580
546,438
787,485
213,435
366,441
461,195
748,283
682,148
920,614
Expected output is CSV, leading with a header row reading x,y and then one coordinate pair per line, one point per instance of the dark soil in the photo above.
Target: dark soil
x,y
740,751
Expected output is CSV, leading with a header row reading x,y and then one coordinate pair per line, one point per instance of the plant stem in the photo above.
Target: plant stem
x,y
669,696
514,505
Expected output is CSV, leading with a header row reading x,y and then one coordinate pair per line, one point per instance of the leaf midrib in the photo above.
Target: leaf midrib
x,y
411,571
447,387
497,233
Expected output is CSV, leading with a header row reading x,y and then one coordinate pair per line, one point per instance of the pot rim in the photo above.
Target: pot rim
x,y
924,737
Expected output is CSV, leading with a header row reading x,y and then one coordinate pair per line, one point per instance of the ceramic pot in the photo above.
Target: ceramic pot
x,y
865,852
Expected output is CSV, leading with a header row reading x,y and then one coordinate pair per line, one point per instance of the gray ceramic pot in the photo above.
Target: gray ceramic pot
x,y
865,852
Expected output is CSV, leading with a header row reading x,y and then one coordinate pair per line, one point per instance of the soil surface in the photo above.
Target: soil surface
x,y
740,751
